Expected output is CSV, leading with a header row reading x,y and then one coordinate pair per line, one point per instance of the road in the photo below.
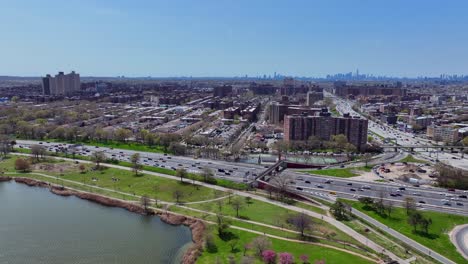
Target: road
x,y
459,237
434,199
404,138
405,239
429,198
239,172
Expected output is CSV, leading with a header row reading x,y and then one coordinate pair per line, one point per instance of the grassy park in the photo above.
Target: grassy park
x,y
315,253
72,174
143,184
437,237
340,173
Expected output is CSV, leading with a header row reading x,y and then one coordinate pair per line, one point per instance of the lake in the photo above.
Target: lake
x,y
37,226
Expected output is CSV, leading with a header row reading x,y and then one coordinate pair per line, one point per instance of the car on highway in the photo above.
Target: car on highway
x,y
459,204
319,186
422,202
352,189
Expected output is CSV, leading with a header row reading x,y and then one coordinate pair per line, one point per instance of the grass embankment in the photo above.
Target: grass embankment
x,y
437,239
411,159
144,184
340,173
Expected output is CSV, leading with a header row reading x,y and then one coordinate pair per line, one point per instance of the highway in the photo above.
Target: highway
x,y
437,199
434,199
239,172
459,237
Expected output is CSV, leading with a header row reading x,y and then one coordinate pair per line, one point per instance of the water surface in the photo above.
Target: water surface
x,y
37,226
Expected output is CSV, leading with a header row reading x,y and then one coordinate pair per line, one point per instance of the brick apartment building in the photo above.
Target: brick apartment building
x,y
324,126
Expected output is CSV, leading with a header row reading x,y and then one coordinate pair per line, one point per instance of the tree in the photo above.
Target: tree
x,y
222,224
301,222
98,157
304,258
177,148
233,244
280,147
269,256
220,204
178,194
145,202
182,173
237,204
410,205
425,223
82,168
207,174
281,182
261,243
339,142
122,134
286,258
414,219
366,158
135,160
22,164
5,145
338,209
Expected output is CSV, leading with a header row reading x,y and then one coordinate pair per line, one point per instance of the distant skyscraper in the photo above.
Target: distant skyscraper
x,y
61,84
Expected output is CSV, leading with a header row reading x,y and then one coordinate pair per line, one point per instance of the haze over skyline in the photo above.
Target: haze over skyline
x,y
233,38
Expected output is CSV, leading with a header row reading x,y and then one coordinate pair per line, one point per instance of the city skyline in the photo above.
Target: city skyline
x,y
213,38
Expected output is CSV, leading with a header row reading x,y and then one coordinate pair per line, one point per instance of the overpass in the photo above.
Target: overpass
x,y
424,147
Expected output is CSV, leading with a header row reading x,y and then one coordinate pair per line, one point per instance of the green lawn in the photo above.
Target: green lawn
x,y
270,214
140,185
411,159
341,173
331,256
437,239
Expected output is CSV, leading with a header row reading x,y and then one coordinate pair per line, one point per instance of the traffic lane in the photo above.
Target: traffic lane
x,y
342,181
388,193
237,173
375,195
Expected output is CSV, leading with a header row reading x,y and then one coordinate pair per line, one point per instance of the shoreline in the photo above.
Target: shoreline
x,y
197,227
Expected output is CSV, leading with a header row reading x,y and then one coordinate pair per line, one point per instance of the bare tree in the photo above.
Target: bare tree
x,y
98,157
182,173
82,168
281,182
301,222
145,202
237,204
260,244
366,158
135,160
38,151
207,174
178,194
410,205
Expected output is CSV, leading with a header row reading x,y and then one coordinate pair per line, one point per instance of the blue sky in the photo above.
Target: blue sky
x,y
233,38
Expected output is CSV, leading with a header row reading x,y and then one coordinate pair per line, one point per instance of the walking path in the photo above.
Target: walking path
x,y
351,232
207,212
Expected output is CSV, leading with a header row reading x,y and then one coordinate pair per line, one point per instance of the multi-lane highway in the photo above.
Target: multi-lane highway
x,y
431,198
239,172
435,199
